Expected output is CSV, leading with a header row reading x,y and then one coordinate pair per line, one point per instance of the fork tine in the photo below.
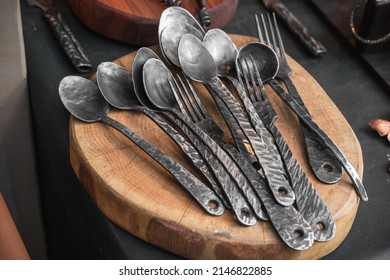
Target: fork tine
x,y
265,30
273,40
245,85
258,27
185,96
259,80
179,97
250,68
202,113
279,38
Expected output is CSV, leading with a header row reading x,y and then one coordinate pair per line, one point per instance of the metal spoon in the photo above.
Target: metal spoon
x,y
177,16
262,56
308,202
243,212
83,100
116,86
170,37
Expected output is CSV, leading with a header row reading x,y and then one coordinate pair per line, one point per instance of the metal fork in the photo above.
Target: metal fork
x,y
308,202
193,107
324,165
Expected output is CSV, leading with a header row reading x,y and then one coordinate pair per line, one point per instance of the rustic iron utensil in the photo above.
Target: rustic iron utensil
x,y
324,165
84,101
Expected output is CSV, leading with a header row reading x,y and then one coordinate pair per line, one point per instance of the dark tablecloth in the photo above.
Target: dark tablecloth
x,y
77,229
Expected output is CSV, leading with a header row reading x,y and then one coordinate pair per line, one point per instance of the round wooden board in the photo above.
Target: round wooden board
x,y
141,197
136,22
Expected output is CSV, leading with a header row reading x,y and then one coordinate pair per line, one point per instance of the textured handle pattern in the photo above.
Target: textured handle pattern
x,y
261,141
206,198
229,175
308,120
324,165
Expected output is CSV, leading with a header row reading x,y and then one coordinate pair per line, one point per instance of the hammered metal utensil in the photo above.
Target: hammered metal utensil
x,y
83,100
324,165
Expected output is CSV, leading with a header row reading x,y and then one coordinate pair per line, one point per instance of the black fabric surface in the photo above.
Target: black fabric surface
x,y
77,229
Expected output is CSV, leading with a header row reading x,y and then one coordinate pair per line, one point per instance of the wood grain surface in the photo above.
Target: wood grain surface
x,y
136,22
142,198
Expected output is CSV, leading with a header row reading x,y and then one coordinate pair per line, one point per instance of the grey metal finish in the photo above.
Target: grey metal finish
x,y
295,25
156,78
64,35
324,165
83,100
197,63
116,86
308,202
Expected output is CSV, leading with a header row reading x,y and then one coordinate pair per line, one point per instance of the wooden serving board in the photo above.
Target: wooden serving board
x,y
136,22
142,198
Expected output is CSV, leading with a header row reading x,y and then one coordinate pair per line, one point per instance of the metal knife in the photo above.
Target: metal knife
x,y
63,34
294,24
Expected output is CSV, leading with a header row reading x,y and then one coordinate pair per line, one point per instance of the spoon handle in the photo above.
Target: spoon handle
x,y
206,198
308,120
230,177
188,150
260,139
324,165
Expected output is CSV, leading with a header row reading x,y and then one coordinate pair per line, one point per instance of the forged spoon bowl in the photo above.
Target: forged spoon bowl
x,y
177,16
309,204
268,76
84,101
170,37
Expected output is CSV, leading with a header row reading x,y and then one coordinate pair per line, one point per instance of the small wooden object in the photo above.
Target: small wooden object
x,y
136,22
142,198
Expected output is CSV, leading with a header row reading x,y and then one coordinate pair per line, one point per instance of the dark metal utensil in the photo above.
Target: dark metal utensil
x,y
324,165
204,15
64,35
84,101
294,24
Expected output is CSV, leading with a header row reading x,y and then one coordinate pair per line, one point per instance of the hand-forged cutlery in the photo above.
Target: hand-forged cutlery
x,y
198,64
294,230
116,86
158,82
308,202
64,35
261,55
324,165
242,210
83,100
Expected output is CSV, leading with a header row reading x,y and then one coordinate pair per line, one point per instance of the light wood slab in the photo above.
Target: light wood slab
x,y
141,197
